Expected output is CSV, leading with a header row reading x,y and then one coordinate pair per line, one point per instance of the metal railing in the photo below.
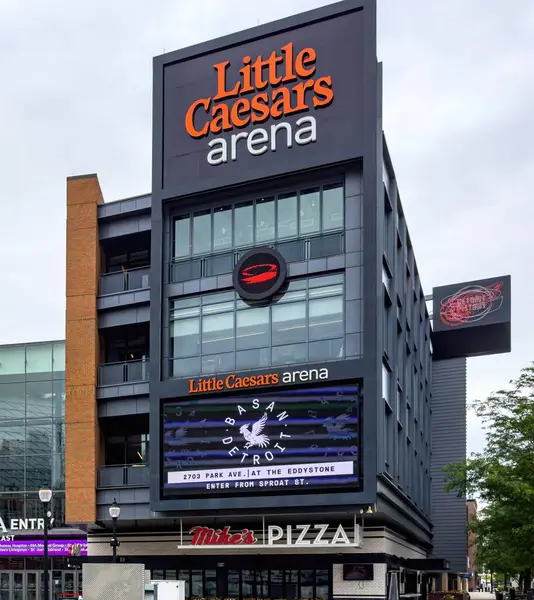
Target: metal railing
x,y
125,281
321,246
123,476
131,371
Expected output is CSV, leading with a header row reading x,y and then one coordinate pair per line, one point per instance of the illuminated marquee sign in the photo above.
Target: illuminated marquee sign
x,y
472,318
267,89
298,439
316,535
470,304
259,274
244,382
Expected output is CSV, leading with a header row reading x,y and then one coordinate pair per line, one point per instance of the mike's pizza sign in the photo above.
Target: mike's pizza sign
x,y
281,98
267,89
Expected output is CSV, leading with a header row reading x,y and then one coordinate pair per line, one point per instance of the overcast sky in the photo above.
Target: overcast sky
x,y
75,97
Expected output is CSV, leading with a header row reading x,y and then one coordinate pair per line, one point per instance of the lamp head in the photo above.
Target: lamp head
x,y
114,510
45,495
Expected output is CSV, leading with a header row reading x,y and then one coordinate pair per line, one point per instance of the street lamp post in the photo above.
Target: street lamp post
x,y
114,513
45,495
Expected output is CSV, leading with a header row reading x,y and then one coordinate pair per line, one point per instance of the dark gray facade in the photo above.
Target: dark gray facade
x,y
362,185
449,444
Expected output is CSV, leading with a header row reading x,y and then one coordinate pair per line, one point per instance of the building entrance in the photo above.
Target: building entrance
x,y
29,585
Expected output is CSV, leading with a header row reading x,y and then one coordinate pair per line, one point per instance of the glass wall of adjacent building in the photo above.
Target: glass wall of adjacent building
x,y
32,428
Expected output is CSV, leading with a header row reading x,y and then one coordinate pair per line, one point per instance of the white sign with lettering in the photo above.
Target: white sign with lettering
x,y
22,525
274,536
306,535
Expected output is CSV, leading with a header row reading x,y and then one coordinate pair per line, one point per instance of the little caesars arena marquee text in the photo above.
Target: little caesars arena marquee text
x,y
284,84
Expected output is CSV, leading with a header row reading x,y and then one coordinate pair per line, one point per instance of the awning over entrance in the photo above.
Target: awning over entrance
x,y
434,565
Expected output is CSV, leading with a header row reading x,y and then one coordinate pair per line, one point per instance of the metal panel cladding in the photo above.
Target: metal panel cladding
x,y
251,107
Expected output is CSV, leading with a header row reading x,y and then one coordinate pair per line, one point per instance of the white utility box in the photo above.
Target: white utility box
x,y
169,590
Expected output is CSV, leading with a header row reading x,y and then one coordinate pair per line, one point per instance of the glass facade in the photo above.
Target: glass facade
x,y
241,584
32,429
289,215
214,333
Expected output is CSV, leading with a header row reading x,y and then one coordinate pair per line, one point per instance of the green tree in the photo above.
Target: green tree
x,y
503,478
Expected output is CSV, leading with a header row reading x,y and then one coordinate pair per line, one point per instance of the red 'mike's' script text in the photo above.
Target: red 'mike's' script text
x,y
205,536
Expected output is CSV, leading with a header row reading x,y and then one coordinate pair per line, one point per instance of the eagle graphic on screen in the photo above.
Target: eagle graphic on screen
x,y
178,436
255,437
337,427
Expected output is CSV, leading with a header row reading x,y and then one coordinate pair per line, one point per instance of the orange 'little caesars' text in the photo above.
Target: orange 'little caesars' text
x,y
282,84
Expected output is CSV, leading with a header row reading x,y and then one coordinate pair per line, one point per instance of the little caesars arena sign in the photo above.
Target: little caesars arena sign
x,y
268,88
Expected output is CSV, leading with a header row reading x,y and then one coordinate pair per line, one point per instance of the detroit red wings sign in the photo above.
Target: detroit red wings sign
x,y
259,274
471,304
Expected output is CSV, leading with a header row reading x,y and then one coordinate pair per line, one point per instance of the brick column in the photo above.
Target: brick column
x,y
82,348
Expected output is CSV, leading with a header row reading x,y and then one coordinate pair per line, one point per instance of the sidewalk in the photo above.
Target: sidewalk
x,y
482,596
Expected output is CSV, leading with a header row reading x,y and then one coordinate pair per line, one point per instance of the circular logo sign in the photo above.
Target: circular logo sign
x,y
259,274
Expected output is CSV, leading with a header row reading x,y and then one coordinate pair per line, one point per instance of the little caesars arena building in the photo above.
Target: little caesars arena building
x,y
258,389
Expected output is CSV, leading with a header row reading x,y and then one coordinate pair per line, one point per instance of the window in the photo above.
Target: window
x,y
39,358
127,450
310,212
185,328
58,363
219,332
218,328
252,327
287,216
269,583
182,237
333,207
326,308
386,280
196,584
289,322
386,384
39,399
265,220
256,583
389,435
244,224
39,436
202,232
222,228
12,363
12,400
12,438
134,259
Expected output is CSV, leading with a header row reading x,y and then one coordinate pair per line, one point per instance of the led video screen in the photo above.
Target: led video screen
x,y
24,547
300,439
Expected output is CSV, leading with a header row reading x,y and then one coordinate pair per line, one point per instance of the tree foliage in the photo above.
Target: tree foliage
x,y
503,478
